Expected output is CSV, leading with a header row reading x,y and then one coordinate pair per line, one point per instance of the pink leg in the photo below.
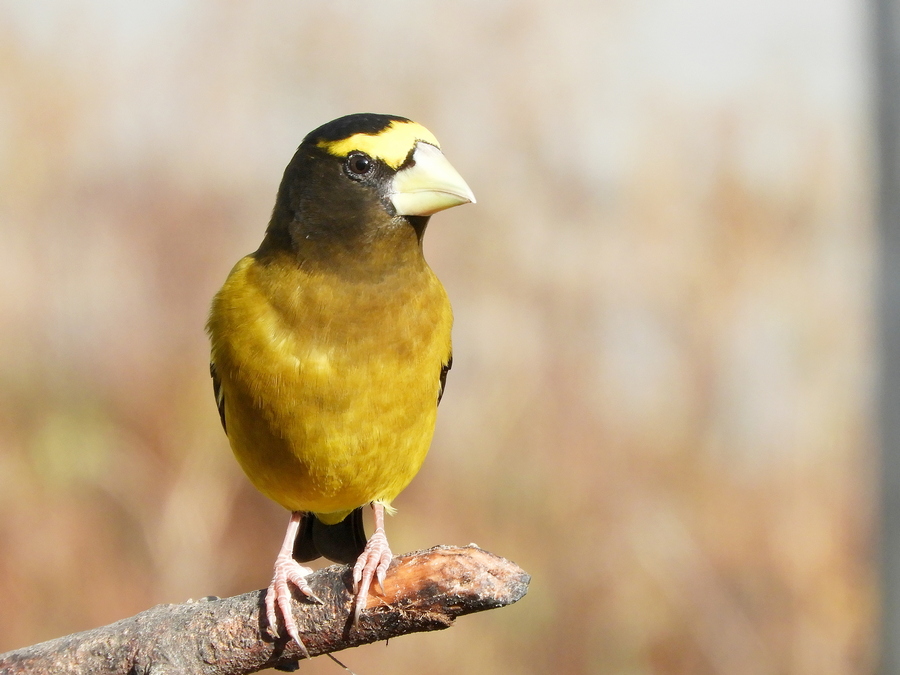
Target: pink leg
x,y
372,563
288,570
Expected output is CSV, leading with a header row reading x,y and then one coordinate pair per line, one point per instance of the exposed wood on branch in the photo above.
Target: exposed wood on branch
x,y
425,590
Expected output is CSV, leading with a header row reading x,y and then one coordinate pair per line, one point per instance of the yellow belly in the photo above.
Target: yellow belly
x,y
330,388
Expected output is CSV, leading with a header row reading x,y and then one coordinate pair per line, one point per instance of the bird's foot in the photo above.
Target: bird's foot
x,y
373,562
287,571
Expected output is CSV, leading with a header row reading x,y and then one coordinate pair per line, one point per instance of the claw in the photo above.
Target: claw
x,y
373,562
288,571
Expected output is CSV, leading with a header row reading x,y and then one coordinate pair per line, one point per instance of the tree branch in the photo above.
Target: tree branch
x,y
425,590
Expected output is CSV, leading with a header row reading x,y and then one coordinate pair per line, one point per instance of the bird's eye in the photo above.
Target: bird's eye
x,y
359,164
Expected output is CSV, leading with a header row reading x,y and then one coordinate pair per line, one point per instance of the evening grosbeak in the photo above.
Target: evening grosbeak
x,y
331,343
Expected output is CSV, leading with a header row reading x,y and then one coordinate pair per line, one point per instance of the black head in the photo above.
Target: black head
x,y
360,178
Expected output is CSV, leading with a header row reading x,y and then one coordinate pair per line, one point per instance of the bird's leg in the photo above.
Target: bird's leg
x,y
288,571
372,562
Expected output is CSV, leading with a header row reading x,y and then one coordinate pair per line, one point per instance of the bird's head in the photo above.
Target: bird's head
x,y
363,174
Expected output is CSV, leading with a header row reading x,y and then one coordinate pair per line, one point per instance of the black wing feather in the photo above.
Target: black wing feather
x,y
444,370
217,390
342,542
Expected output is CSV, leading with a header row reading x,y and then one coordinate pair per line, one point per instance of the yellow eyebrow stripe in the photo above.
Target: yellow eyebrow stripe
x,y
391,146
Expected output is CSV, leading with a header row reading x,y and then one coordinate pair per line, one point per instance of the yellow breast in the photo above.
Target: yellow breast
x,y
330,387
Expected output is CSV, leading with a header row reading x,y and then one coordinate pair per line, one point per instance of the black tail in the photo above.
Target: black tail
x,y
341,543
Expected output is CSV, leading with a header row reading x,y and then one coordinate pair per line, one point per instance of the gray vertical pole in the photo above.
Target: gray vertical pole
x,y
886,33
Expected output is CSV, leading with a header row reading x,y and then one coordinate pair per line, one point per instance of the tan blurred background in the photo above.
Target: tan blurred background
x,y
661,400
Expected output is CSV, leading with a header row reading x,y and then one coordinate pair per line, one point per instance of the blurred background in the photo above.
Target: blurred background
x,y
661,404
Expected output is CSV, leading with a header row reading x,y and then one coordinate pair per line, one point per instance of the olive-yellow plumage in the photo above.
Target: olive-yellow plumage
x,y
330,387
331,342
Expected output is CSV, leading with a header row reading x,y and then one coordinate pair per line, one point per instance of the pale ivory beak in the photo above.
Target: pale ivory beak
x,y
429,186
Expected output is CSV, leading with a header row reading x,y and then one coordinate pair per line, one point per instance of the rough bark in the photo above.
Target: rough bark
x,y
425,590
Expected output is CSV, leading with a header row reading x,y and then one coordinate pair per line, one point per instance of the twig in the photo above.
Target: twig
x,y
425,590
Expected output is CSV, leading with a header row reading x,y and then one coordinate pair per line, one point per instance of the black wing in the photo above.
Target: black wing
x,y
342,542
220,396
444,370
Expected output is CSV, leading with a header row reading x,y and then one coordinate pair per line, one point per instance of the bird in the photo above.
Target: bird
x,y
331,344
